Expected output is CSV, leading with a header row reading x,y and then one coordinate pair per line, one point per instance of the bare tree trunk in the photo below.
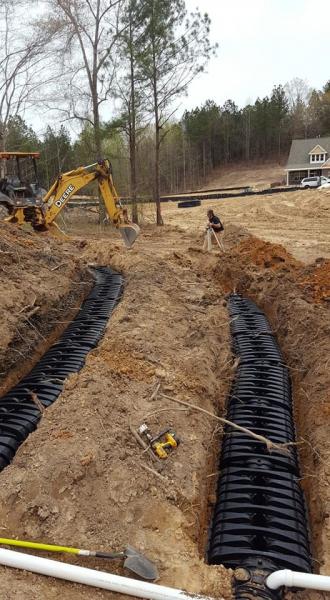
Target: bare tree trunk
x,y
159,218
135,216
247,136
2,149
98,147
184,162
132,133
279,143
96,108
204,160
97,131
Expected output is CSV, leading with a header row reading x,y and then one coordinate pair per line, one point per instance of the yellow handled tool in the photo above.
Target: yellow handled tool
x,y
163,443
134,561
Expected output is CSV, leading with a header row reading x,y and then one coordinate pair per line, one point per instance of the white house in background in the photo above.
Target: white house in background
x,y
308,158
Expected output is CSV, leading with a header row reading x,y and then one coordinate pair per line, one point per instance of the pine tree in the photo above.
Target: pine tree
x,y
176,48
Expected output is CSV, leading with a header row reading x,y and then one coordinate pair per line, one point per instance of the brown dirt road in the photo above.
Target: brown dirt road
x,y
80,478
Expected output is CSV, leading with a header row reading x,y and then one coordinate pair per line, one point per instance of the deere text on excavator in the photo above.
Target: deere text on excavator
x,y
24,201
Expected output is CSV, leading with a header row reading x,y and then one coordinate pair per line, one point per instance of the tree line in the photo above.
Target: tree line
x,y
261,131
141,53
85,59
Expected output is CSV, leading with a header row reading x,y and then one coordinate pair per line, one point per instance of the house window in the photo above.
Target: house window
x,y
317,158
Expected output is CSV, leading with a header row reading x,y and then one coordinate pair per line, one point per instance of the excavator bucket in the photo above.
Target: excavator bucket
x,y
129,233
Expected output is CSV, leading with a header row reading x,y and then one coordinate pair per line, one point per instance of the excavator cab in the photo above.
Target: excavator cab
x,y
19,184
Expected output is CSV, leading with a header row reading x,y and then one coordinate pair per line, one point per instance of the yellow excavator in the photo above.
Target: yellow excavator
x,y
24,201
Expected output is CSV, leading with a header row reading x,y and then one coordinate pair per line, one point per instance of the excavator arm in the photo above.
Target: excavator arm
x,y
67,184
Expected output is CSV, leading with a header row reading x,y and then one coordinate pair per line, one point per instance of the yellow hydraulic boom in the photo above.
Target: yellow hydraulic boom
x,y
42,215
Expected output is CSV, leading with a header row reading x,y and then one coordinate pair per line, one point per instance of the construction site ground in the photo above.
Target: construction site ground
x,y
81,479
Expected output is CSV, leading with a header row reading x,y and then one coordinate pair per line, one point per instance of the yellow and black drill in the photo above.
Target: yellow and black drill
x,y
163,443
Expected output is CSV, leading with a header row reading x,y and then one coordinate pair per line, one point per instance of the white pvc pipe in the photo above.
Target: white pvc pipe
x,y
100,579
288,578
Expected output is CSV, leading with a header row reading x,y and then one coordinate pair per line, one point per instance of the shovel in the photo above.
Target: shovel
x,y
133,560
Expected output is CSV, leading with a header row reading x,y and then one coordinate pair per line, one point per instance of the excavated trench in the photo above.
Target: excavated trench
x,y
21,408
259,523
36,334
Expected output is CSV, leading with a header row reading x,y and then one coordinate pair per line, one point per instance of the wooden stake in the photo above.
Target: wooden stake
x,y
155,392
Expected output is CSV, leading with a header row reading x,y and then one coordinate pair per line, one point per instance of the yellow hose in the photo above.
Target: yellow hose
x,y
38,546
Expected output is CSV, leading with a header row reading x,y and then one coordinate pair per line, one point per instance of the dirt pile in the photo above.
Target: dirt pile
x,y
257,258
42,282
265,255
316,280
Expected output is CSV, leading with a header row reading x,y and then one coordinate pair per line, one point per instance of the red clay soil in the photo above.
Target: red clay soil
x,y
313,279
265,255
316,281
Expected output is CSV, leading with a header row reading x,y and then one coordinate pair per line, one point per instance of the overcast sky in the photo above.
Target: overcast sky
x,y
262,43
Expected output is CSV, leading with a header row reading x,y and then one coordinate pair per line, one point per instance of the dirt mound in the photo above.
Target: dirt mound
x,y
42,282
316,280
265,255
249,257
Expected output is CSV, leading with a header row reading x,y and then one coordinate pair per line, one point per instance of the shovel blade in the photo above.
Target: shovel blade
x,y
140,565
129,233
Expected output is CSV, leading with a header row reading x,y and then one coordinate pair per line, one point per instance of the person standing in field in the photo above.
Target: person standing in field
x,y
214,221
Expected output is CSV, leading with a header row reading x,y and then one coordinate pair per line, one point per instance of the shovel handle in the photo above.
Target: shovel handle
x,y
110,555
67,549
38,546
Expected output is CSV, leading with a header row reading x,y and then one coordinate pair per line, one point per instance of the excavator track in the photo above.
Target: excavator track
x,y
19,411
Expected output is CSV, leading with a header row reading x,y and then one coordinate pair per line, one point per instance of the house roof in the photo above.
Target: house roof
x,y
300,149
326,165
317,150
